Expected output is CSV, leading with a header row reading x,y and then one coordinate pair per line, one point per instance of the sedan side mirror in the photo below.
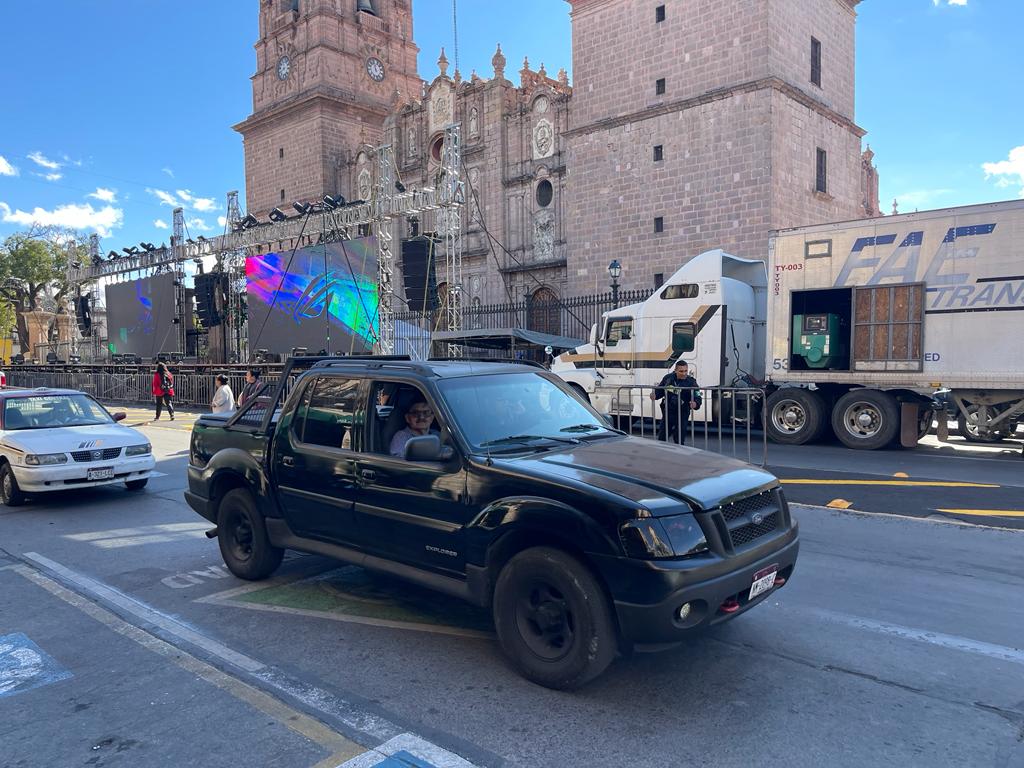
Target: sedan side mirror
x,y
427,448
119,416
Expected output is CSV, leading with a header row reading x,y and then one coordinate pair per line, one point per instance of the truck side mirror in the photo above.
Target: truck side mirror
x,y
593,334
427,448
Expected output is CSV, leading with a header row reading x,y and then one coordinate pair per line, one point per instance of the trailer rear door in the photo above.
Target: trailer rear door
x,y
888,328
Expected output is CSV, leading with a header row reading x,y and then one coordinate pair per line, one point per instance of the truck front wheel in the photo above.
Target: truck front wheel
x,y
795,416
553,619
243,539
866,419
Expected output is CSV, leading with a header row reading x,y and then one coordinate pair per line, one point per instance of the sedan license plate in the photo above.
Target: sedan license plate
x,y
101,473
763,581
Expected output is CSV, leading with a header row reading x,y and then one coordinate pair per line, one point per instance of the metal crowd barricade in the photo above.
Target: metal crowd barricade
x,y
724,422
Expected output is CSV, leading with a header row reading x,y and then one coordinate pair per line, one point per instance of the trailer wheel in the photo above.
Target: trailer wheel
x,y
973,431
795,416
866,419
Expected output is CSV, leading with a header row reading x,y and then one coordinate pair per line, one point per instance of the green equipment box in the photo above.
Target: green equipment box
x,y
819,340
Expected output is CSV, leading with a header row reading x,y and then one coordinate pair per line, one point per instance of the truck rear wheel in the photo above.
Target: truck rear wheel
x,y
795,416
866,419
243,540
553,619
973,430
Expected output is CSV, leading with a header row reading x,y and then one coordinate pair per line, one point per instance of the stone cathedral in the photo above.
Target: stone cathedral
x,y
688,125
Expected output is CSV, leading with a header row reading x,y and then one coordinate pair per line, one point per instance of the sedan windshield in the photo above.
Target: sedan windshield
x,y
48,411
511,410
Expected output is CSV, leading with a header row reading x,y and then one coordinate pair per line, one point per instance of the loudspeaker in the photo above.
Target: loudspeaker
x,y
418,255
209,298
83,314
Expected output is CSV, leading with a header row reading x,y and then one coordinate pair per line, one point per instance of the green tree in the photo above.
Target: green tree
x,y
34,264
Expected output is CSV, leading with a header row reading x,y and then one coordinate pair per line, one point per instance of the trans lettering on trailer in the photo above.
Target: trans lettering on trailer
x,y
949,290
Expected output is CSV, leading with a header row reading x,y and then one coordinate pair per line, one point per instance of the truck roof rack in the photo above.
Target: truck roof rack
x,y
499,360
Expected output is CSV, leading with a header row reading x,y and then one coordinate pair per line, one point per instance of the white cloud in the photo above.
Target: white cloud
x,y
222,221
6,169
184,195
165,198
54,176
168,171
197,223
161,224
104,195
43,162
949,2
1008,172
918,199
204,204
85,217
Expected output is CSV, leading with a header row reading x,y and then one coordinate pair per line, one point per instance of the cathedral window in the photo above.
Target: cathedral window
x,y
816,62
659,153
280,153
821,176
659,86
659,14
659,224
545,193
282,195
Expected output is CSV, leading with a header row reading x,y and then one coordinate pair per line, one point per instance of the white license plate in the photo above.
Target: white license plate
x,y
102,473
763,581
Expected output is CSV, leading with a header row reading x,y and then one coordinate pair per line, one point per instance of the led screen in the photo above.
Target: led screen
x,y
320,297
140,317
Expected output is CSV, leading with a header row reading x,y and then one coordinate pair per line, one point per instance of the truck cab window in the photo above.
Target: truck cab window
x,y
619,329
683,337
681,291
330,418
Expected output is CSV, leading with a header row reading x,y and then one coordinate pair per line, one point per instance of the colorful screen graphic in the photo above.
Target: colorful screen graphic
x,y
321,298
140,317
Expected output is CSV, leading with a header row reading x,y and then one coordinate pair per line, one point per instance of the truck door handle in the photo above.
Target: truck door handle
x,y
368,474
288,461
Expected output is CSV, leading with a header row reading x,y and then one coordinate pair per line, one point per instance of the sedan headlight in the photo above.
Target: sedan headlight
x,y
138,450
40,459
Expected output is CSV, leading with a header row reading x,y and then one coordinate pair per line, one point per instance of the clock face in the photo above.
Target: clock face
x,y
375,68
284,66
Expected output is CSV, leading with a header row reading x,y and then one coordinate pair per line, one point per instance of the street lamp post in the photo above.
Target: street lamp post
x,y
614,270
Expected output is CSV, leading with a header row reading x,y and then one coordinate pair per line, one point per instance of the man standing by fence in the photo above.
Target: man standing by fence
x,y
681,395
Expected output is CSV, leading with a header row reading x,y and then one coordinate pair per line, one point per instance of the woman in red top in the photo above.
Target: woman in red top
x,y
163,389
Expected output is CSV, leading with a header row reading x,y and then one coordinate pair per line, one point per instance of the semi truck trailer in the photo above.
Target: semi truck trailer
x,y
850,327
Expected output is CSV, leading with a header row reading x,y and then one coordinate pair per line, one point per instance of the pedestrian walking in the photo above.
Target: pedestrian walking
x,y
163,390
223,398
252,383
680,394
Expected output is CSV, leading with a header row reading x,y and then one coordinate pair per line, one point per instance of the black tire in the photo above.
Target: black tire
x,y
795,416
243,540
970,431
10,494
136,485
924,423
553,619
866,419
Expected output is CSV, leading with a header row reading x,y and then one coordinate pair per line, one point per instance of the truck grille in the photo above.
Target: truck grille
x,y
747,520
105,454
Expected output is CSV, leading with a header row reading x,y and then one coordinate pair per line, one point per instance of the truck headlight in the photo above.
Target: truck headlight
x,y
685,535
40,459
138,450
677,536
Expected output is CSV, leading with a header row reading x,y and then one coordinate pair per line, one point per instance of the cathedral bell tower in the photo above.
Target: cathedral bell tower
x,y
328,72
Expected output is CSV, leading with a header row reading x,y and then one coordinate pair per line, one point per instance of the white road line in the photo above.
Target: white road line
x,y
953,642
147,614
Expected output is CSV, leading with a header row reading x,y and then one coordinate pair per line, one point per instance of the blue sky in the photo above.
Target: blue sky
x,y
127,108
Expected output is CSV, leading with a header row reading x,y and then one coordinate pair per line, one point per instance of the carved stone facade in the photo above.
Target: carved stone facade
x,y
560,179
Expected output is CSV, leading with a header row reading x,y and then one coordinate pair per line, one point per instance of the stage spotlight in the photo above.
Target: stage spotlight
x,y
113,255
302,208
200,238
278,215
337,201
400,187
147,247
249,221
131,250
76,265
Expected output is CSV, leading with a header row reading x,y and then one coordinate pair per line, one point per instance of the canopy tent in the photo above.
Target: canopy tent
x,y
507,339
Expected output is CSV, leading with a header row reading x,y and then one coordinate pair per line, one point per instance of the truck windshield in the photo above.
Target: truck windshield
x,y
514,409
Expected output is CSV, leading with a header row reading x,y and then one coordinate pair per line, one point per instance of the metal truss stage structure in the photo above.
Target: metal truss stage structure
x,y
320,222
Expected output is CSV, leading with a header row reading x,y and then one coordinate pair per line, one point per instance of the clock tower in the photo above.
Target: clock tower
x,y
328,72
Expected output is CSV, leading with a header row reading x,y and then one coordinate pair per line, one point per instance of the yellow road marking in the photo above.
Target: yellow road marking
x,y
985,512
302,724
902,483
839,504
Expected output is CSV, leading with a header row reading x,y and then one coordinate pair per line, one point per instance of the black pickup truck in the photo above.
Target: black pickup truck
x,y
496,483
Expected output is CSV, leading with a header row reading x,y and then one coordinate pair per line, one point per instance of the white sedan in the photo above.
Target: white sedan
x,y
59,439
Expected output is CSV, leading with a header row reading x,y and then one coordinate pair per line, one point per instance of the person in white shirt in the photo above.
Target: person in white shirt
x,y
223,399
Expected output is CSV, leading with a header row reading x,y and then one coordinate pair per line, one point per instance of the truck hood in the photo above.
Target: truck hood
x,y
654,475
67,439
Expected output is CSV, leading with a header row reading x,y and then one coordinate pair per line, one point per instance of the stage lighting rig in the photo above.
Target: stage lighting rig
x,y
148,247
131,250
250,221
278,215
302,208
337,201
399,187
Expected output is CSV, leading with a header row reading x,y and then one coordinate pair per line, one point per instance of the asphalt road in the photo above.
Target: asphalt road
x,y
897,642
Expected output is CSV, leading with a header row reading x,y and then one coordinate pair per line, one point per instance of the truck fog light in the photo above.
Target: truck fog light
x,y
683,612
